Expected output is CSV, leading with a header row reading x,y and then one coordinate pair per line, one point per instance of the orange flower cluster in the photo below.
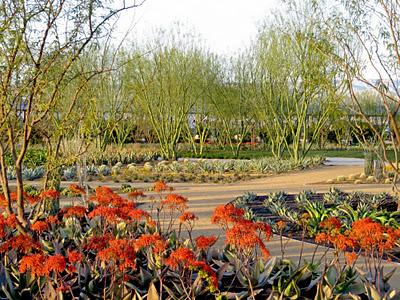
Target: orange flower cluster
x,y
187,217
76,189
136,194
39,226
7,223
366,234
49,194
242,234
225,214
204,242
174,201
52,220
40,265
281,224
97,243
118,214
371,235
106,197
350,257
185,258
153,241
21,243
13,197
338,240
74,211
160,186
122,252
182,256
74,256
330,224
245,235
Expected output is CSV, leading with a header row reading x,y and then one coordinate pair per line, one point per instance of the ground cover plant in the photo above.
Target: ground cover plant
x,y
108,248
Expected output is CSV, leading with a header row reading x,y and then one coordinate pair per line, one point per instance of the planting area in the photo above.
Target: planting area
x,y
183,241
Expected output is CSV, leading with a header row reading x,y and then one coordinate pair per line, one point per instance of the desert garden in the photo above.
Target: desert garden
x,y
159,169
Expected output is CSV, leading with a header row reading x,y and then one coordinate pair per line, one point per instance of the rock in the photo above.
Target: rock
x,y
341,178
330,181
148,167
370,179
388,181
353,176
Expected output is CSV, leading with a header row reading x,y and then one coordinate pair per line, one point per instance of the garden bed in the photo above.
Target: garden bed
x,y
303,213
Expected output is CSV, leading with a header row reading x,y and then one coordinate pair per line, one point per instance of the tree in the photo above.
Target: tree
x,y
231,103
367,37
165,83
40,41
297,80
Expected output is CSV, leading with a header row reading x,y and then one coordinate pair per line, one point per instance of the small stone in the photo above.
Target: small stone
x,y
341,178
370,179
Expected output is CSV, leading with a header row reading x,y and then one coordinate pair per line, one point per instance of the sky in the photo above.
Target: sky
x,y
225,26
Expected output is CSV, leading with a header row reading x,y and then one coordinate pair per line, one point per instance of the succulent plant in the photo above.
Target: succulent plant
x,y
34,173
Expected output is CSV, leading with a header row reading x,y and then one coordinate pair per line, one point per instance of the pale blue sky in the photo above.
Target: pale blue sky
x,y
225,25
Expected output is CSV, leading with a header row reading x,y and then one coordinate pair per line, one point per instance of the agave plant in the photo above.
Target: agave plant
x,y
32,174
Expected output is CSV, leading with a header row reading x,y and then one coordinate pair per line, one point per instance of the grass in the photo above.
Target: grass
x,y
251,154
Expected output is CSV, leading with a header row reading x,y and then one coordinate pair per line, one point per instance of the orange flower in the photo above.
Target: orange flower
x,y
160,186
11,221
138,214
118,214
122,252
108,213
74,256
49,194
97,243
154,241
351,257
243,236
39,226
322,238
204,242
32,263
331,224
74,211
76,189
21,243
187,217
6,223
174,201
52,220
39,265
281,225
224,214
180,257
136,194
342,242
369,235
55,263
